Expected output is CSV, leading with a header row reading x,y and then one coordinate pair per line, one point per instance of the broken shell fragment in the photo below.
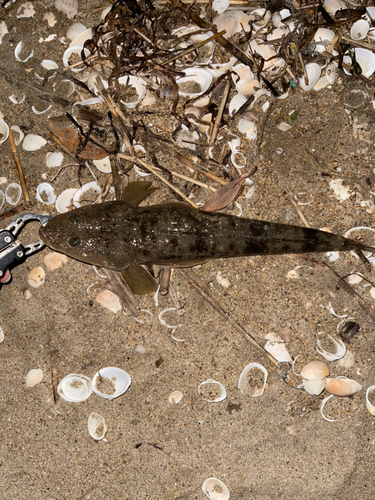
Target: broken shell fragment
x,y
34,377
214,398
276,347
64,201
45,193
138,87
4,131
21,135
111,382
313,377
214,489
72,55
330,356
75,388
325,400
97,426
109,300
74,30
313,72
54,159
54,260
18,50
247,128
36,277
33,142
103,165
370,407
195,82
175,397
13,193
244,380
342,386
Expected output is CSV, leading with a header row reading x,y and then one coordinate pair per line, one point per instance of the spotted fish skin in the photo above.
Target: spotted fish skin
x,y
114,235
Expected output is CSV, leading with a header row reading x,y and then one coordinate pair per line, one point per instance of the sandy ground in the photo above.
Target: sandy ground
x,y
274,446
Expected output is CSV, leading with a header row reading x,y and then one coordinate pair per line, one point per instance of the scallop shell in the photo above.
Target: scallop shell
x,y
248,128
342,386
138,84
75,388
313,71
83,194
64,201
313,377
214,489
370,407
243,380
13,193
332,356
198,79
4,131
359,30
33,142
33,377
223,392
74,51
45,193
175,397
96,426
116,381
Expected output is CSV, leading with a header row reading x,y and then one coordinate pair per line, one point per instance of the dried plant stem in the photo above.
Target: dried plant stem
x,y
370,46
299,212
193,181
219,115
303,68
169,494
19,168
79,63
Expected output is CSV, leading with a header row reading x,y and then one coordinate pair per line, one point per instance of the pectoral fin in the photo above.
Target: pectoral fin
x,y
139,280
137,191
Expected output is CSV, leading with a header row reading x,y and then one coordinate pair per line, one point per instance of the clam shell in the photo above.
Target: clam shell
x,y
96,426
370,407
223,392
332,6
232,21
64,201
45,193
332,356
103,165
235,103
175,397
77,52
13,193
247,86
109,300
220,6
138,84
243,380
75,388
313,377
214,489
54,159
33,377
36,277
18,131
258,14
248,128
74,30
81,38
325,400
48,64
313,71
238,160
217,70
359,30
115,380
18,51
33,142
4,131
366,59
195,82
342,386
323,35
85,193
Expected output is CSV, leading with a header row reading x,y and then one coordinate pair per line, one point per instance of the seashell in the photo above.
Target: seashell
x,y
54,260
186,138
87,193
313,377
313,71
54,159
4,131
221,397
138,85
33,142
331,72
243,71
329,356
175,397
247,86
75,388
17,99
97,426
232,21
248,128
220,6
267,52
238,160
243,382
72,55
18,131
359,30
74,30
111,382
13,193
370,13
35,111
80,39
103,165
2,199
277,348
370,407
45,193
332,6
217,70
48,64
195,82
214,489
276,34
18,50
1,335
34,377
258,14
235,103
36,277
325,400
342,386
64,201
322,83
366,59
323,35
109,300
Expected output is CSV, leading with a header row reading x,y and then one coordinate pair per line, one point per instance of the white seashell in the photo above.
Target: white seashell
x,y
186,138
17,100
232,21
3,31
359,30
234,144
175,397
342,386
236,102
21,135
248,128
220,6
36,277
103,165
257,14
18,51
267,52
138,84
223,392
366,59
214,489
276,34
54,159
332,6
87,193
313,71
238,160
329,356
80,39
105,12
139,172
370,13
323,35
325,400
331,72
322,83
48,64
109,300
45,193
284,13
114,381
74,30
370,407
64,201
76,52
217,70
34,377
276,20
13,193
313,377
2,199
341,192
33,142
54,260
195,82
96,426
277,348
242,71
69,8
1,335
26,10
75,388
35,111
247,86
243,382
4,131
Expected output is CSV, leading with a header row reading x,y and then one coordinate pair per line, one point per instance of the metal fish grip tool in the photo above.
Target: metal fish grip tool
x,y
12,251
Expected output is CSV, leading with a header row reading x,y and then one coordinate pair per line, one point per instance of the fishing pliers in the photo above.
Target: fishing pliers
x,y
12,252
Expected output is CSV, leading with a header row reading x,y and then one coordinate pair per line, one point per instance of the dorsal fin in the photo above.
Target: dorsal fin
x,y
137,191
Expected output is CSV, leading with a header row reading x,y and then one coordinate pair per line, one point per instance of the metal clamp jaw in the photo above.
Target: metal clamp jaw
x,y
12,252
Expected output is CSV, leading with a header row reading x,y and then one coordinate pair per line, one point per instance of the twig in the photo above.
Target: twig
x,y
63,168
88,58
219,115
193,181
169,494
299,212
19,168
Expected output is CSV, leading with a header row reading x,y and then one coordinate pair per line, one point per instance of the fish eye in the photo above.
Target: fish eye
x,y
73,242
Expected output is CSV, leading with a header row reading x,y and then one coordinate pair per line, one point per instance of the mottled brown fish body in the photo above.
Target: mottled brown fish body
x,y
113,235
